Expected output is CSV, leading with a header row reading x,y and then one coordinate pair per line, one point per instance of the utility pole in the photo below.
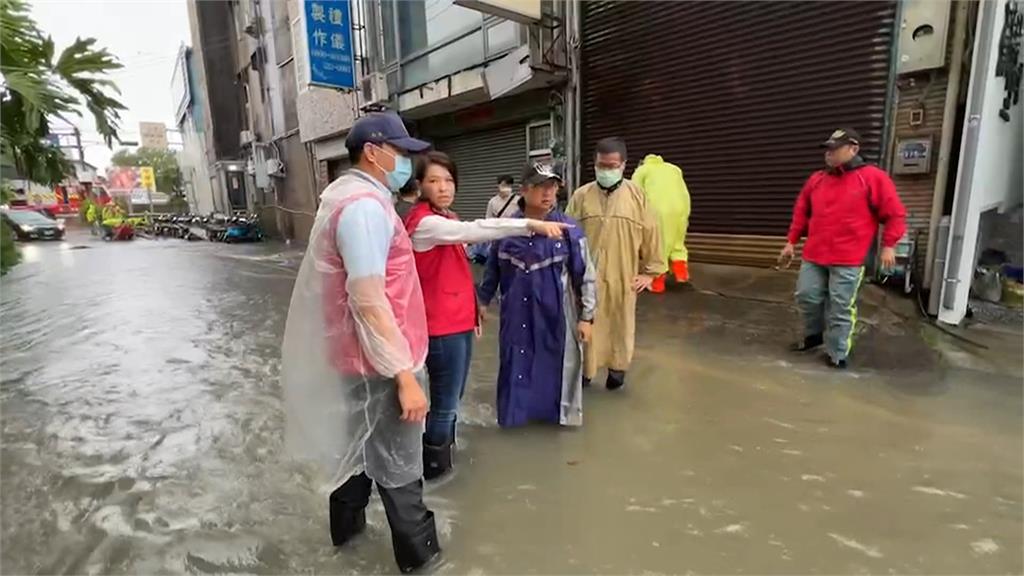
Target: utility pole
x,y
78,144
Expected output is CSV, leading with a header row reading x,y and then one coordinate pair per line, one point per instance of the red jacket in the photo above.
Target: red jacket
x,y
839,211
448,291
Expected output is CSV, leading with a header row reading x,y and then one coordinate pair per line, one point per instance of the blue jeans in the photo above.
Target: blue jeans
x,y
447,368
827,297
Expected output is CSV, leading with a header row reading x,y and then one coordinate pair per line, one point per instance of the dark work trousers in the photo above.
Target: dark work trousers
x,y
448,360
413,533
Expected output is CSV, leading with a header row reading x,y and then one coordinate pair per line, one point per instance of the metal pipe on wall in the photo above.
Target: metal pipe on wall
x,y
573,22
958,237
960,17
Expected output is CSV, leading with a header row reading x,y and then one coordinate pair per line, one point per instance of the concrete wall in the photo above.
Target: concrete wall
x,y
297,200
194,168
214,41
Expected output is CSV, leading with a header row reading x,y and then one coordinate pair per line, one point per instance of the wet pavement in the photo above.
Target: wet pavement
x,y
142,433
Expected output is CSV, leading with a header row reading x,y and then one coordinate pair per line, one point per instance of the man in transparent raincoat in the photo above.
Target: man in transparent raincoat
x,y
355,345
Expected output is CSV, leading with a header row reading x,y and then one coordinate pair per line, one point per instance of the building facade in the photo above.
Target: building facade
x,y
190,101
739,104
481,86
218,94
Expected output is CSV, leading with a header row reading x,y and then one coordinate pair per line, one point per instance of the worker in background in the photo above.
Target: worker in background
x,y
355,344
623,235
838,211
407,197
504,204
669,198
92,217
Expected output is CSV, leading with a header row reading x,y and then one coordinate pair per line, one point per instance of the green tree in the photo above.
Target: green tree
x,y
164,163
37,84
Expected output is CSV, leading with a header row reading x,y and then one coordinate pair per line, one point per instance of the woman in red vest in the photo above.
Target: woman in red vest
x,y
438,241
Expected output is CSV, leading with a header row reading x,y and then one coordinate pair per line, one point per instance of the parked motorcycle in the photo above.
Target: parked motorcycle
x,y
243,229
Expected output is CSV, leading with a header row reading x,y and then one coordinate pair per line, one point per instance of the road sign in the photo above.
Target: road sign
x,y
147,178
330,53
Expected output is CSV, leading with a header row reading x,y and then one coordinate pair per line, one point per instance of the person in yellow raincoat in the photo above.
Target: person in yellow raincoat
x,y
669,198
626,248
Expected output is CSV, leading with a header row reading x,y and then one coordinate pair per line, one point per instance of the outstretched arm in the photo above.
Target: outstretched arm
x,y
438,231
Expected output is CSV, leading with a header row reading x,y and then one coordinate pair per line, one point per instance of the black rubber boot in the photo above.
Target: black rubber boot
x,y
346,524
437,460
808,343
616,380
348,509
416,548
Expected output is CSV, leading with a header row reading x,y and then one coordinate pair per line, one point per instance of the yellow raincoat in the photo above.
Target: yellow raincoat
x,y
669,198
624,242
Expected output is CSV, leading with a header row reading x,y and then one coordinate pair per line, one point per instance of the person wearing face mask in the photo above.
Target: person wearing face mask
x,y
438,239
355,344
839,210
501,205
505,203
626,247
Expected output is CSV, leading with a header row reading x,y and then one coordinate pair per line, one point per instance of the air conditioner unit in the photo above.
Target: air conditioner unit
x,y
374,89
246,137
275,167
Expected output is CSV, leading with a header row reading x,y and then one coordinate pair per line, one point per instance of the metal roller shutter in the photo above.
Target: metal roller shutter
x,y
738,94
481,158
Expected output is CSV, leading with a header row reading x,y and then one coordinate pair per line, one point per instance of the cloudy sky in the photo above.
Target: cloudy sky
x,y
144,34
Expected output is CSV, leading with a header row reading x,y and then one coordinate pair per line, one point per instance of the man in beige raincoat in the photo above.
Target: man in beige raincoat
x,y
626,248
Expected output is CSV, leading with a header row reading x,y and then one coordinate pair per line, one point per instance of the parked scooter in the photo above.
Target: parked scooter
x,y
216,227
243,229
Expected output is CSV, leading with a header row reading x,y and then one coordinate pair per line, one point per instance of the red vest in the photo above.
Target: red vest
x,y
400,287
448,291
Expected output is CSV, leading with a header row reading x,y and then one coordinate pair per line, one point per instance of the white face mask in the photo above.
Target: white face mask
x,y
504,191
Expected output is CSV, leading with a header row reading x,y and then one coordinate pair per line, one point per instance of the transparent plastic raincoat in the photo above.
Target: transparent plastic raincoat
x,y
344,341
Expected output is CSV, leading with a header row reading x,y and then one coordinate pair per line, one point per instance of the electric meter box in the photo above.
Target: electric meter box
x,y
913,156
923,32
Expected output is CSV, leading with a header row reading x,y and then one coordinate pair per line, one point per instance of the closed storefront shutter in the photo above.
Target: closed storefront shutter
x,y
481,158
738,94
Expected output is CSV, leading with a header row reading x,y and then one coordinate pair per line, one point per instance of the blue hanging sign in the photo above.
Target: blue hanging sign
x,y
328,28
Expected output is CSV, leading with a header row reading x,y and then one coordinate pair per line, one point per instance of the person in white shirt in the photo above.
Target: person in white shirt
x,y
502,205
505,203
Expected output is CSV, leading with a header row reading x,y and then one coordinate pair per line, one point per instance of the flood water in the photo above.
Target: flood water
x,y
142,433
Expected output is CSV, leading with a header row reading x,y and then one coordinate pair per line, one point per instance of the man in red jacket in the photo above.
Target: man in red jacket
x,y
839,210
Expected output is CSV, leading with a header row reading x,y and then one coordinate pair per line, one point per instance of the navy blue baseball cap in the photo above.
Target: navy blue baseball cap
x,y
380,128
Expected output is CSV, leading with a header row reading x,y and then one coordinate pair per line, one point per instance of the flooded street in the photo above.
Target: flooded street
x,y
142,434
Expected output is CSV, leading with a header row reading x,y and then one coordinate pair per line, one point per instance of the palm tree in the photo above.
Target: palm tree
x,y
38,85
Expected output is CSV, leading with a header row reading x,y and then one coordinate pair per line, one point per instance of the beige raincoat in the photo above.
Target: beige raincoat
x,y
624,242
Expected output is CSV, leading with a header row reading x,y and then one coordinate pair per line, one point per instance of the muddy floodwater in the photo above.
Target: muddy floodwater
x,y
142,434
